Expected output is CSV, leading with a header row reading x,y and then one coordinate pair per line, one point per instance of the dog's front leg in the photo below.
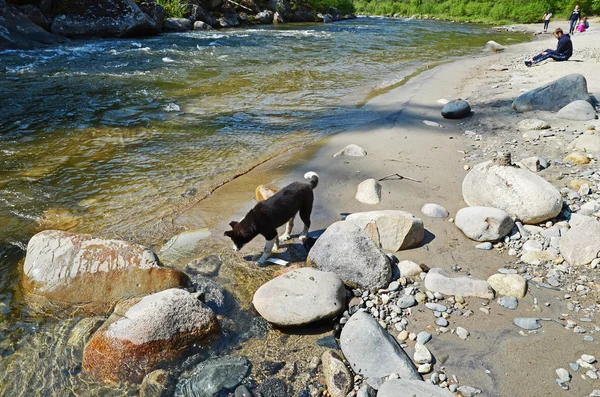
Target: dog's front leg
x,y
304,233
270,244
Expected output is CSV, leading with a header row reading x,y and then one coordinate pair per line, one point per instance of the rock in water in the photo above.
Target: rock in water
x,y
156,13
18,32
213,377
390,229
411,388
346,250
337,377
93,274
143,334
483,223
351,150
508,284
300,297
182,247
177,25
157,384
581,244
369,192
439,280
492,46
577,110
372,351
553,96
101,18
456,109
519,192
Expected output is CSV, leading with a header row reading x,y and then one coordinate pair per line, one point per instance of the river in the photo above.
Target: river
x,y
113,137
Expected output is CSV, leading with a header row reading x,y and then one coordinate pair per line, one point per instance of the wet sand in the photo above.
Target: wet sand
x,y
496,358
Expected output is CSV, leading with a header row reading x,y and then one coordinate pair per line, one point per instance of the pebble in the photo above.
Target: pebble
x,y
436,307
574,366
422,354
424,368
462,333
423,337
588,338
406,301
403,335
394,286
509,302
563,374
484,246
468,391
527,323
591,374
588,358
442,322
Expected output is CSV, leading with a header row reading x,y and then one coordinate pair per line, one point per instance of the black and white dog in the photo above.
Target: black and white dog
x,y
268,215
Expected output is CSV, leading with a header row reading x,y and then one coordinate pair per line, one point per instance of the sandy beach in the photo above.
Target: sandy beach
x,y
496,358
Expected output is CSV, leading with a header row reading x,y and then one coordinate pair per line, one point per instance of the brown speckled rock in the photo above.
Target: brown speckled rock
x,y
142,334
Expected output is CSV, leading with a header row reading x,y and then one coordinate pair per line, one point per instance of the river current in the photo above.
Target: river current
x,y
112,137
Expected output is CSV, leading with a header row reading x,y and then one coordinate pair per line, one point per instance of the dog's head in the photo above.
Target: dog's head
x,y
235,236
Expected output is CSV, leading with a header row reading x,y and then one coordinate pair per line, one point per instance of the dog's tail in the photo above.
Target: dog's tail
x,y
314,179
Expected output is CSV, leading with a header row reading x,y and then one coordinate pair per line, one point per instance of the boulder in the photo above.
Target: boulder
x,y
92,274
492,46
157,383
300,297
411,388
484,223
533,164
409,269
35,15
18,32
144,334
179,249
577,110
538,257
372,352
439,280
198,14
369,192
155,12
199,25
581,244
348,251
264,17
177,25
508,284
263,192
586,143
434,211
533,124
520,192
214,377
553,96
228,21
101,18
456,109
351,150
338,379
390,229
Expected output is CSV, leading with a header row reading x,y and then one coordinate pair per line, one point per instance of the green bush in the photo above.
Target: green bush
x,y
174,8
344,6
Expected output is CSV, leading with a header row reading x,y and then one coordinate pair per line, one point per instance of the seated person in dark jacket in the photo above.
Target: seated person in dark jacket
x,y
563,51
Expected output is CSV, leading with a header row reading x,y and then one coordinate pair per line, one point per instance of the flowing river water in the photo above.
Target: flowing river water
x,y
113,137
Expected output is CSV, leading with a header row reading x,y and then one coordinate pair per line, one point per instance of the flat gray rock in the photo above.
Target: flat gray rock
x,y
348,251
528,323
300,297
508,302
406,301
182,246
439,280
372,351
553,96
411,388
577,110
214,376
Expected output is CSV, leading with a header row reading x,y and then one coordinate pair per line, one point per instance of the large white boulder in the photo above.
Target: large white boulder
x,y
483,223
391,229
581,244
369,192
348,251
520,192
300,297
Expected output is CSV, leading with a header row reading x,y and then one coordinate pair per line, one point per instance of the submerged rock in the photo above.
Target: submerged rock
x,y
143,334
93,274
348,251
553,96
390,229
301,297
182,247
372,351
214,376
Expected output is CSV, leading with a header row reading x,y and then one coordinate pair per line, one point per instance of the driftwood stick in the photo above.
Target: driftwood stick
x,y
398,177
240,5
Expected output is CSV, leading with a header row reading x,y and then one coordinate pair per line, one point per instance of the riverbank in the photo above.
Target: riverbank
x,y
497,358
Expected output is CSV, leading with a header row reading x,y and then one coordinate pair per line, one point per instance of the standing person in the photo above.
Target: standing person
x,y
547,17
564,50
575,17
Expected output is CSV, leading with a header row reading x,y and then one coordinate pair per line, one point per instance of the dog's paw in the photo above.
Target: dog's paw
x,y
284,238
261,261
303,237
